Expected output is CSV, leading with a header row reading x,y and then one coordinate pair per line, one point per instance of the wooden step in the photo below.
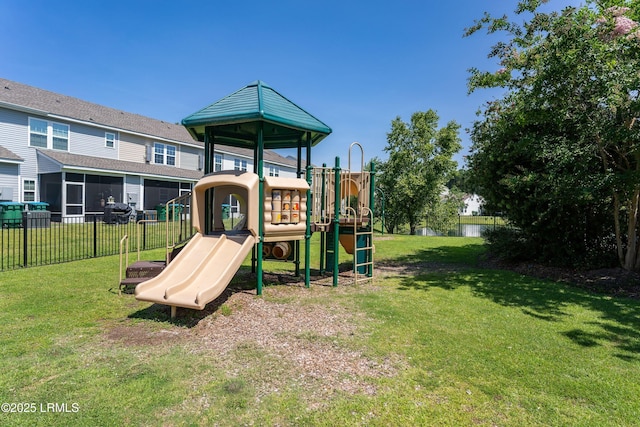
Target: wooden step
x,y
145,269
139,272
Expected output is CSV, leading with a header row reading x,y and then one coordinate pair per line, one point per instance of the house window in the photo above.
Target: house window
x,y
217,162
46,134
274,171
38,133
60,136
185,188
28,190
109,140
164,154
240,165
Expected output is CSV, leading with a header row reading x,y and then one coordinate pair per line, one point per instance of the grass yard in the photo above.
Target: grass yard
x,y
482,220
435,340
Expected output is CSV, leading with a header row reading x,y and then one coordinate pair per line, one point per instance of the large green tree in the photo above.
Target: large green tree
x,y
419,164
560,152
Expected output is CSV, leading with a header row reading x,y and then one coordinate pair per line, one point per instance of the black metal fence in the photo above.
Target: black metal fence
x,y
40,240
462,226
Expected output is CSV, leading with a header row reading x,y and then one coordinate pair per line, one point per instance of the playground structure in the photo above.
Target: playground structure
x,y
277,213
346,219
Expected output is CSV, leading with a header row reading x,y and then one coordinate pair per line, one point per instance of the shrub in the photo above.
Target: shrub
x,y
509,244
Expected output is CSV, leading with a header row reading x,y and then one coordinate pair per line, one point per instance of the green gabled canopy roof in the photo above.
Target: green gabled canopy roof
x,y
236,119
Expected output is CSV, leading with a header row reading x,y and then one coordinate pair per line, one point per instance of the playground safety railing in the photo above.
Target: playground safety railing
x,y
178,222
322,183
123,242
362,180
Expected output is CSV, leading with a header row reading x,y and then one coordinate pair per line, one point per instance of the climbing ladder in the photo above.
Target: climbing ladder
x,y
362,214
363,255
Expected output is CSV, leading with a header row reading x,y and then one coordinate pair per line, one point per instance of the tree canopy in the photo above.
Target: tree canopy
x,y
560,152
420,161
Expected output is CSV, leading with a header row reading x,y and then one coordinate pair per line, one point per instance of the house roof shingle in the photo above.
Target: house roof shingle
x,y
44,101
7,154
100,163
67,106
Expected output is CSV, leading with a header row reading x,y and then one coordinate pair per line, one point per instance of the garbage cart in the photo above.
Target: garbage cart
x,y
11,214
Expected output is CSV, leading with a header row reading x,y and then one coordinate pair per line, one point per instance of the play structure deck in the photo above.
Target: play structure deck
x,y
277,214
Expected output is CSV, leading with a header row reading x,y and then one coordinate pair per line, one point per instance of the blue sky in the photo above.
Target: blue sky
x,y
355,65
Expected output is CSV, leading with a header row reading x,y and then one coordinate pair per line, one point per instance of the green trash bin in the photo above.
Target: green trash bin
x,y
162,212
37,206
175,209
11,214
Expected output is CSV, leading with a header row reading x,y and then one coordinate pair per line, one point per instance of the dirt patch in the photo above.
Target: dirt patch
x,y
140,335
315,341
609,281
295,336
389,268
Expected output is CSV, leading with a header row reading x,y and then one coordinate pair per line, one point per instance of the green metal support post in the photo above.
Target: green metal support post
x,y
307,236
253,251
336,222
296,243
209,147
323,233
372,189
260,156
382,213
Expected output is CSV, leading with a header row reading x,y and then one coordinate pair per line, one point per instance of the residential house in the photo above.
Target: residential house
x,y
472,205
75,154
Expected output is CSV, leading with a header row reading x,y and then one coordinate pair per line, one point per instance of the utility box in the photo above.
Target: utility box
x,y
37,215
6,194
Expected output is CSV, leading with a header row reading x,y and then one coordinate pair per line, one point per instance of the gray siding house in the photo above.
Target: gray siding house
x,y
74,154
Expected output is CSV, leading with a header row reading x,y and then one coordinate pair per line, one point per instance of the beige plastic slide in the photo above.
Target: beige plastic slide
x,y
200,272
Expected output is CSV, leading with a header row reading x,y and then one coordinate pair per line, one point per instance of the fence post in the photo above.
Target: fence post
x,y
95,236
25,244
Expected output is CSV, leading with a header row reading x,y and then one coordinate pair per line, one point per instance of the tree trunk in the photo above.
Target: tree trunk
x,y
632,233
616,219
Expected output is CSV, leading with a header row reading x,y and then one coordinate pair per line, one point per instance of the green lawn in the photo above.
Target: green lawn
x,y
481,220
455,345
